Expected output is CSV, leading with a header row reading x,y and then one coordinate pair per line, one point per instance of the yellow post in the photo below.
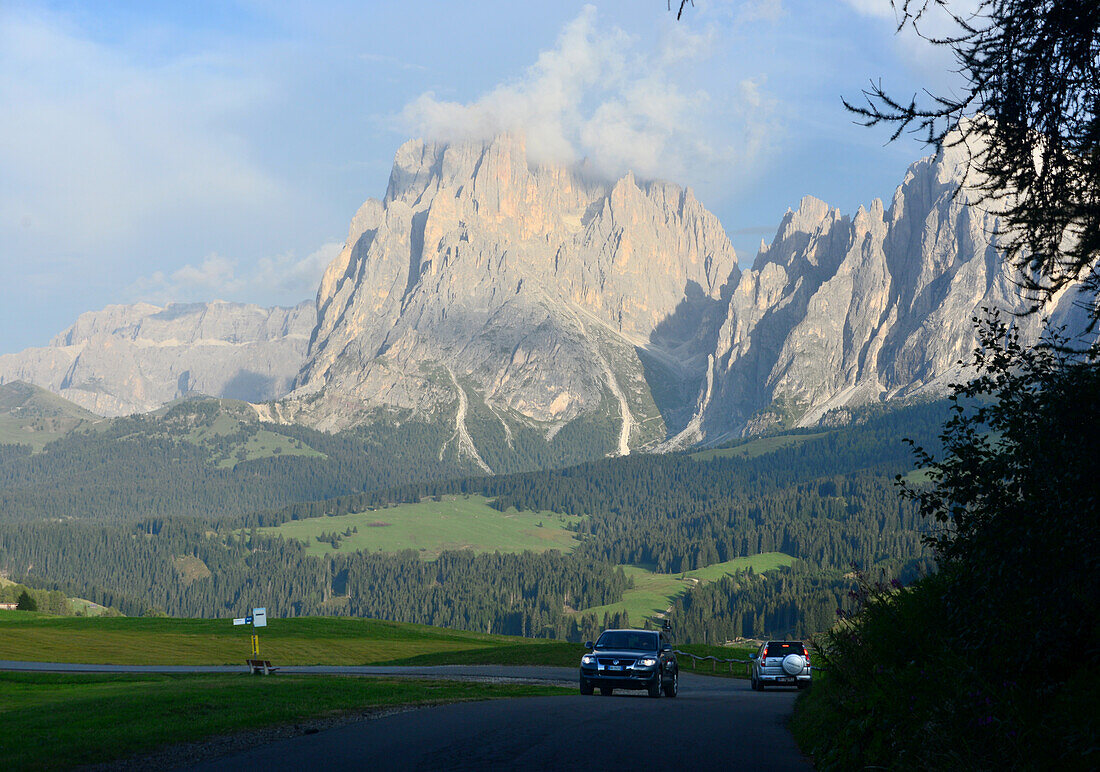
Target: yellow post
x,y
255,646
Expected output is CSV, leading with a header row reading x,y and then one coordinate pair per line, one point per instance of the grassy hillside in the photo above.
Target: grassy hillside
x,y
301,641
827,500
654,593
454,522
30,415
757,447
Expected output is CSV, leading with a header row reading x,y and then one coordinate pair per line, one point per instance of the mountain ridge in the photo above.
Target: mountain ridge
x,y
504,302
135,358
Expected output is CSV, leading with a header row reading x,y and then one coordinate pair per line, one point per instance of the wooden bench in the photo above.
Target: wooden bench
x,y
260,666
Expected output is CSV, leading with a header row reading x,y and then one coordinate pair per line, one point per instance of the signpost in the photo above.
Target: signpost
x,y
257,619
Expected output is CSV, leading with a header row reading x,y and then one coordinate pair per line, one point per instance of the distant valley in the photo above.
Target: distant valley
x,y
194,509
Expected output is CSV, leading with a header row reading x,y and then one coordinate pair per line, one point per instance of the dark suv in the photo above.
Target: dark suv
x,y
630,659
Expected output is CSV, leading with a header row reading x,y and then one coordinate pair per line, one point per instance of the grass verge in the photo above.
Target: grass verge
x,y
711,668
549,653
54,721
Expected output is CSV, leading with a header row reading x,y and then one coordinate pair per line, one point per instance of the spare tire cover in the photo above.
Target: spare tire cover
x,y
793,664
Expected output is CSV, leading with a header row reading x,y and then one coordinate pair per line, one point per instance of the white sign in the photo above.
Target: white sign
x,y
240,621
259,617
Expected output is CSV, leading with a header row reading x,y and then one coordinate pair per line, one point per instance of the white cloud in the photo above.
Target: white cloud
x,y
286,277
933,20
762,10
101,149
216,274
598,94
882,9
282,279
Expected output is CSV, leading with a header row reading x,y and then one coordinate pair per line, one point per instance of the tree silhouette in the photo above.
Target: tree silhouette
x,y
1016,487
26,602
1029,114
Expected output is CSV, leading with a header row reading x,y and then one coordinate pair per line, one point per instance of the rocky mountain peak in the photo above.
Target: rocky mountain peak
x,y
526,290
526,313
845,311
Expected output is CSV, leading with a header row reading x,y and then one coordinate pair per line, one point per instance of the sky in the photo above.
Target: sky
x,y
180,152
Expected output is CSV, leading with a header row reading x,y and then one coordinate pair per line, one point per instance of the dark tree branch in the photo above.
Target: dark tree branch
x,y
680,12
1030,115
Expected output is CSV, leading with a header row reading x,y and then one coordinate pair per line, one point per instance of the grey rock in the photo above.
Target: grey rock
x,y
544,290
504,301
134,358
851,310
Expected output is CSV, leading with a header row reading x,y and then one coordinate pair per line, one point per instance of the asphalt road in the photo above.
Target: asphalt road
x,y
715,723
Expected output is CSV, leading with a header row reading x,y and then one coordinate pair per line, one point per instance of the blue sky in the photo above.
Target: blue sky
x,y
193,151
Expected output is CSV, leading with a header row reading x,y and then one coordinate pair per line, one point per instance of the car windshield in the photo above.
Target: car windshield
x,y
627,639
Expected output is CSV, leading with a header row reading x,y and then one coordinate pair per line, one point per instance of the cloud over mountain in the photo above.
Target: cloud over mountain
x,y
285,278
599,93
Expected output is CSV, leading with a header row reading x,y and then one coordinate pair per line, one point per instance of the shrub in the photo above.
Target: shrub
x,y
993,661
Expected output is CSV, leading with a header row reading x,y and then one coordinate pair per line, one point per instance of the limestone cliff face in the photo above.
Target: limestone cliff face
x,y
848,310
503,303
535,291
134,358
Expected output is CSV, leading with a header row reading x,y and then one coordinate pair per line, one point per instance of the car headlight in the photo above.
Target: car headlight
x,y
588,659
646,662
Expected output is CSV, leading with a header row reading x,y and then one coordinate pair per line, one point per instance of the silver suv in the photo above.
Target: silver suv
x,y
781,663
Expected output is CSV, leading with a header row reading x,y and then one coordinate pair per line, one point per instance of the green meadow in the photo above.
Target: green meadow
x,y
300,641
60,721
653,593
453,523
917,477
261,443
30,415
754,448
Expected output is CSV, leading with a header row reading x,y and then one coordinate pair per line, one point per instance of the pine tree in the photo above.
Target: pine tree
x,y
26,602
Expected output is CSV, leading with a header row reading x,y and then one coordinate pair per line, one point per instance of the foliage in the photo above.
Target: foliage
x,y
652,594
1029,115
826,501
992,662
185,463
788,603
26,602
1018,487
